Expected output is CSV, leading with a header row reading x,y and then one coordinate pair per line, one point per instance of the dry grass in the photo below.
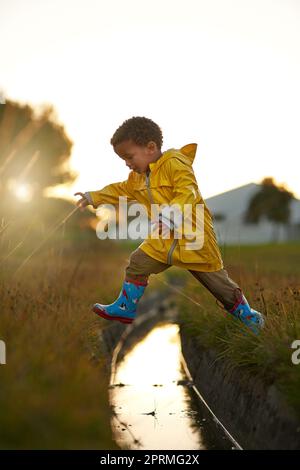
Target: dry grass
x,y
269,276
54,385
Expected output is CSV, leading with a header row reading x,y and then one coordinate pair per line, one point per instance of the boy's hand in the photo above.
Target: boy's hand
x,y
162,228
83,202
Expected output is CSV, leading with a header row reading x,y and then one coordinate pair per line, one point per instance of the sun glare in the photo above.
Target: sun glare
x,y
23,193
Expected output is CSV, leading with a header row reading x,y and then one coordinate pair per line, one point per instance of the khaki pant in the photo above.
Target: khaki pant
x,y
218,283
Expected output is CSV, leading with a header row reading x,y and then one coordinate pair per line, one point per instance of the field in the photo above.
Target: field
x,y
54,385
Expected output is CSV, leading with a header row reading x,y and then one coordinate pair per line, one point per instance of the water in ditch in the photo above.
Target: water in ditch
x,y
154,405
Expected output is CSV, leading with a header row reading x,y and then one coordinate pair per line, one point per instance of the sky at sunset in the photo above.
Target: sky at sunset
x,y
222,73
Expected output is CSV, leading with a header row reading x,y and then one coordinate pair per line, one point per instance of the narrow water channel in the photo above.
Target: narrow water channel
x,y
153,401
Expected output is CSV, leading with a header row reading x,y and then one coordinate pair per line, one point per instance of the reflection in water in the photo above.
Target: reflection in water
x,y
154,407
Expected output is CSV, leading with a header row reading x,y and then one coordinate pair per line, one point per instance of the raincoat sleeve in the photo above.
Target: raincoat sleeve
x,y
110,194
186,196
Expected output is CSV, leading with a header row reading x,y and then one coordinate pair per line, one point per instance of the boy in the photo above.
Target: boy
x,y
158,177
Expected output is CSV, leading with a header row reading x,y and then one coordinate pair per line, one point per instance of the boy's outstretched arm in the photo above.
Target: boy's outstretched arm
x,y
108,195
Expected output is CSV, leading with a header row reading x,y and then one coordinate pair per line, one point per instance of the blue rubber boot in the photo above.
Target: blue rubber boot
x,y
247,315
124,308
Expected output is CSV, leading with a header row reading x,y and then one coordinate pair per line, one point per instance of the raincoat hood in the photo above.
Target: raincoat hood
x,y
189,151
186,154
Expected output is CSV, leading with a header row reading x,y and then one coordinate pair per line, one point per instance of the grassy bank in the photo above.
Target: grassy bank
x,y
270,278
53,390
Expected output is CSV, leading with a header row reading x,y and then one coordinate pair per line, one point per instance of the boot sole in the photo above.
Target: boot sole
x,y
104,315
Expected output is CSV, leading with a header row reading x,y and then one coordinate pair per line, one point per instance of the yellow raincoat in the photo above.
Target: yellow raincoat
x,y
171,181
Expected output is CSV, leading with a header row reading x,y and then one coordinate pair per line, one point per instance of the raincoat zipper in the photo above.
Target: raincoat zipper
x,y
174,243
170,253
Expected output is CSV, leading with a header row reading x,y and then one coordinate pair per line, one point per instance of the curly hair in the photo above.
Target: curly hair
x,y
140,130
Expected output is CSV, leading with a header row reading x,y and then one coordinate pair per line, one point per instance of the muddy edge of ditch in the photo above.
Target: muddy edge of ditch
x,y
255,414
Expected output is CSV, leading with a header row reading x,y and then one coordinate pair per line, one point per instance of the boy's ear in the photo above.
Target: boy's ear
x,y
152,145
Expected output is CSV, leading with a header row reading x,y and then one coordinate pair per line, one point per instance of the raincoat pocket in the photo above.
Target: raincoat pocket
x,y
193,251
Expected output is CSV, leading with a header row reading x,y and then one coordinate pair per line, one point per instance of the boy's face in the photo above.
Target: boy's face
x,y
137,157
